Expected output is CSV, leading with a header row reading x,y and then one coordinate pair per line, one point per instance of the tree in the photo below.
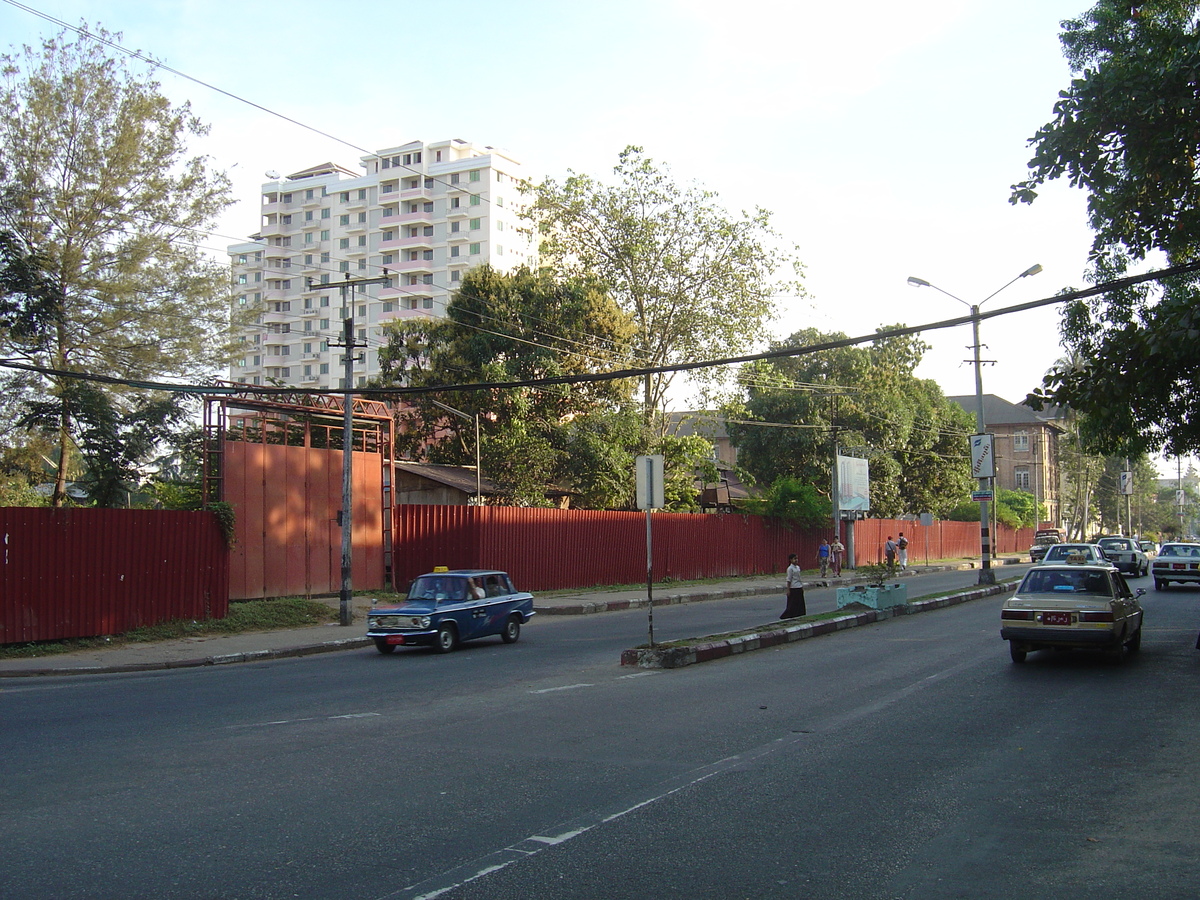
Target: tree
x,y
916,440
101,193
1126,131
518,326
698,282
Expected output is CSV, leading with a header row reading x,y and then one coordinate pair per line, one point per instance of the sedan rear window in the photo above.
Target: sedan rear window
x,y
1039,581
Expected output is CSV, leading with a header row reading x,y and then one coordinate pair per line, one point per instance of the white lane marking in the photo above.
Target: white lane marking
x,y
440,884
638,675
307,719
565,687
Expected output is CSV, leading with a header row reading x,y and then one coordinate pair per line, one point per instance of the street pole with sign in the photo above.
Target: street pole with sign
x,y
648,476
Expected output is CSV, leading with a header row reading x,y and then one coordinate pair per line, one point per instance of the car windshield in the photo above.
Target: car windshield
x,y
1115,545
438,587
1057,581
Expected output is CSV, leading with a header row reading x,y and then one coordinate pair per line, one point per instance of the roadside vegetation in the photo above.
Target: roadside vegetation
x,y
244,617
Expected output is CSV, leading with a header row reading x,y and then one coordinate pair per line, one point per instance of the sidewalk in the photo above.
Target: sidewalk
x,y
216,650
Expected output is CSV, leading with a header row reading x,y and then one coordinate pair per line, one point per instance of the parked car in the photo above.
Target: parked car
x,y
1176,562
1126,554
1085,553
447,607
1072,605
1042,540
1149,548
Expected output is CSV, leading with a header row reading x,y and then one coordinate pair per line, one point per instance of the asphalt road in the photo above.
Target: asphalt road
x,y
905,759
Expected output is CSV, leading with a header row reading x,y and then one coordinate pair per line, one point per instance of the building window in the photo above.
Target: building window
x,y
325,213
454,204
1021,442
344,220
344,243
474,175
427,231
308,215
475,249
456,275
325,300
454,227
454,178
1021,479
475,201
388,259
325,235
454,250
324,368
344,197
475,224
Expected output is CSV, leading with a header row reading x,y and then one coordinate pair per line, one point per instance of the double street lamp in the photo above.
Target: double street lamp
x,y
986,575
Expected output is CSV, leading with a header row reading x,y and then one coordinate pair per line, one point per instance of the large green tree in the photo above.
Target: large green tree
x,y
1127,130
502,327
915,439
102,192
698,281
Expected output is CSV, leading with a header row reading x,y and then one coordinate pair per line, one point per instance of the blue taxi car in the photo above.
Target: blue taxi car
x,y
446,607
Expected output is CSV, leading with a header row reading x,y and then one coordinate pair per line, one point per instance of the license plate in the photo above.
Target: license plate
x,y
395,639
1178,566
1056,618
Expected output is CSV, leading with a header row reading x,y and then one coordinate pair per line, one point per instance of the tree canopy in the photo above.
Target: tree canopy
x,y
698,281
915,439
516,326
1127,130
100,192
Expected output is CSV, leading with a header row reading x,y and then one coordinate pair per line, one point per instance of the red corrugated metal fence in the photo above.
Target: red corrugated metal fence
x,y
82,572
546,549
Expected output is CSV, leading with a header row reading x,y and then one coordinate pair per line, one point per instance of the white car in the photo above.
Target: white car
x,y
1084,553
1126,554
1176,562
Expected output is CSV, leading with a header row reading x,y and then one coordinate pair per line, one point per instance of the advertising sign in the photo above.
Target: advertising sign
x,y
854,484
982,457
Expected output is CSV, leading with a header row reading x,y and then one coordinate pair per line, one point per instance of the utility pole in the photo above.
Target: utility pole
x,y
346,608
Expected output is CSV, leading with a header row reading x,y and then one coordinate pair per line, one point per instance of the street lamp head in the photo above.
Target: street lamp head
x,y
1032,270
914,281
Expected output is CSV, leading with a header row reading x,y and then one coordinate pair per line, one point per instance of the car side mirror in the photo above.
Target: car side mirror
x,y
1139,592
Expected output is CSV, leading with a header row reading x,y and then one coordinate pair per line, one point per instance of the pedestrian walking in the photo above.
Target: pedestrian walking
x,y
902,551
889,552
823,557
795,590
837,550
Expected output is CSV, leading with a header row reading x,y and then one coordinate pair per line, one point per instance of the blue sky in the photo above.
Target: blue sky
x,y
883,136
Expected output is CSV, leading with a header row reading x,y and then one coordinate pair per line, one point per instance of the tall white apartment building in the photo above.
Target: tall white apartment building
x,y
425,212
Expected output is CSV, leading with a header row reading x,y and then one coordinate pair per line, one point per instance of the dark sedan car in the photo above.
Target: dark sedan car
x,y
446,607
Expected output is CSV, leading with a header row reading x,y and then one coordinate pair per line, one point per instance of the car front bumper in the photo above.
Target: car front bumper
x,y
404,638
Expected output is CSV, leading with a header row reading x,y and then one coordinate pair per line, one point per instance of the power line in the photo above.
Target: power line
x,y
778,353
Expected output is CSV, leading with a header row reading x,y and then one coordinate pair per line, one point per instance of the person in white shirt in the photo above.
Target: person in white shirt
x,y
795,590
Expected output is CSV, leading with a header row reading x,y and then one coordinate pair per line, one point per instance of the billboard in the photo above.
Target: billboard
x,y
854,484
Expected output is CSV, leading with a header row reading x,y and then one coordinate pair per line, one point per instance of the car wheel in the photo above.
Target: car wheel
x,y
1134,644
512,630
447,639
383,646
1017,654
1159,584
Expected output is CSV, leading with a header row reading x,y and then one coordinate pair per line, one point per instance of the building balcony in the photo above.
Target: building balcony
x,y
418,193
413,218
419,240
415,265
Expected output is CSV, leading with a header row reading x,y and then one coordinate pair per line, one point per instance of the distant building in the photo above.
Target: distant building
x,y
1026,448
425,212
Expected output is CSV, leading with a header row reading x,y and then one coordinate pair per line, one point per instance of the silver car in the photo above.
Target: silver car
x,y
1072,605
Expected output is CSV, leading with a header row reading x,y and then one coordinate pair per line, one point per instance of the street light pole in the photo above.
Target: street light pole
x,y
986,575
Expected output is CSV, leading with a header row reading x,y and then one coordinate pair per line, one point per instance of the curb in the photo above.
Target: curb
x,y
585,608
197,662
676,657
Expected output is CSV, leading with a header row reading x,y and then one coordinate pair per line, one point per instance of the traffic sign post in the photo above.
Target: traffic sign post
x,y
651,495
